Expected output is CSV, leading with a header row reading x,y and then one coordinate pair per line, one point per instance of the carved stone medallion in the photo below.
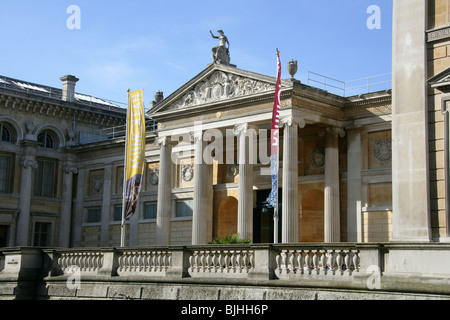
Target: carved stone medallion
x,y
97,183
187,172
154,177
317,158
232,170
383,149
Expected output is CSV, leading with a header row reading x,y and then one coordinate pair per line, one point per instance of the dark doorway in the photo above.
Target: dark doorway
x,y
3,235
263,224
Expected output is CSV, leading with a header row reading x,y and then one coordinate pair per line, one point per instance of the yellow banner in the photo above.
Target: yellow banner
x,y
135,150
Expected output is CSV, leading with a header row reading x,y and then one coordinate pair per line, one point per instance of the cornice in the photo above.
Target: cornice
x,y
24,102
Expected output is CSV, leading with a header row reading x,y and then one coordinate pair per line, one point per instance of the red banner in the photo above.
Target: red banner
x,y
274,138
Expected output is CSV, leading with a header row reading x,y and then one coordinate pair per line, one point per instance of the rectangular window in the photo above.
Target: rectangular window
x,y
44,178
41,234
184,208
150,210
5,173
94,215
118,213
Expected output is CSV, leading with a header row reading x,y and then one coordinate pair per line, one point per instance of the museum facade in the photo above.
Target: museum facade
x,y
371,167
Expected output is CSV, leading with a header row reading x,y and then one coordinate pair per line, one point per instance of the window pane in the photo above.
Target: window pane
x,y
6,134
49,141
38,178
5,169
118,213
184,208
41,234
48,178
44,178
93,215
150,210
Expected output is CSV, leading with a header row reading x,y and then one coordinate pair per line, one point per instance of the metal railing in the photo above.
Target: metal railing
x,y
352,87
112,132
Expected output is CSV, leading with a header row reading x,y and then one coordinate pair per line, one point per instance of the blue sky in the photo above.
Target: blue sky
x,y
160,45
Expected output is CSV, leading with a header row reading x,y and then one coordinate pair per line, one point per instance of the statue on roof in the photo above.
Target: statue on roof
x,y
221,53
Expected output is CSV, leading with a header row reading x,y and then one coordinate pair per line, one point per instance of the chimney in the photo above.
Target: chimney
x,y
68,92
159,96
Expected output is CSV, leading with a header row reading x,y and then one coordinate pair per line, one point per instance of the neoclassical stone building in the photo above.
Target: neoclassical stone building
x,y
365,168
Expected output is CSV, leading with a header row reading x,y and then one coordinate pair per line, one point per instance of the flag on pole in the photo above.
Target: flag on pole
x,y
134,152
274,139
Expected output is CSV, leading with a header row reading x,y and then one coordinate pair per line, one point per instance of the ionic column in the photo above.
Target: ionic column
x,y
331,193
245,201
66,204
28,163
354,186
164,202
202,215
289,232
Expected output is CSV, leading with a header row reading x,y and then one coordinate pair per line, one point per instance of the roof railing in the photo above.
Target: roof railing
x,y
357,86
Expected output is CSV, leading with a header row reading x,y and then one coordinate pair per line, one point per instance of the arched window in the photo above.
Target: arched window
x,y
6,132
47,139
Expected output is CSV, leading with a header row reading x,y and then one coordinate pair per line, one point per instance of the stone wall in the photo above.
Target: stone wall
x,y
438,60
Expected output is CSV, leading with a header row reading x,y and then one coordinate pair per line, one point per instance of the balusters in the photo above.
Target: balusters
x,y
221,261
83,261
307,267
143,261
323,262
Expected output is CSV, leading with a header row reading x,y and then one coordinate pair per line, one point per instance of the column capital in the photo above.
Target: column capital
x,y
196,135
244,127
29,163
162,141
70,169
291,121
332,130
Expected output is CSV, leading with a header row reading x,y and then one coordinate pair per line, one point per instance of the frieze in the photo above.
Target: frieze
x,y
221,86
434,35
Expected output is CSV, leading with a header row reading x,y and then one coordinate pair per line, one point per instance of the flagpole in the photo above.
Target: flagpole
x,y
124,184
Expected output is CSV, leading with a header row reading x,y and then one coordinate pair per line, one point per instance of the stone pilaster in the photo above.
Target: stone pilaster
x,y
202,215
164,201
28,163
290,209
245,201
69,170
410,167
332,231
106,205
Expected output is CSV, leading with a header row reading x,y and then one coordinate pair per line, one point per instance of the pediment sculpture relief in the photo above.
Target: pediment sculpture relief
x,y
220,86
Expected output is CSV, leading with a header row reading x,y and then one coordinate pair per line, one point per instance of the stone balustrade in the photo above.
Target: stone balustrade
x,y
396,267
319,261
221,262
143,261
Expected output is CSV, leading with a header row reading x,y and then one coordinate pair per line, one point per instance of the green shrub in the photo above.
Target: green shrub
x,y
230,239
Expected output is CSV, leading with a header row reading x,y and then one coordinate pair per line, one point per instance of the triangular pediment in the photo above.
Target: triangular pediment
x,y
214,85
441,81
